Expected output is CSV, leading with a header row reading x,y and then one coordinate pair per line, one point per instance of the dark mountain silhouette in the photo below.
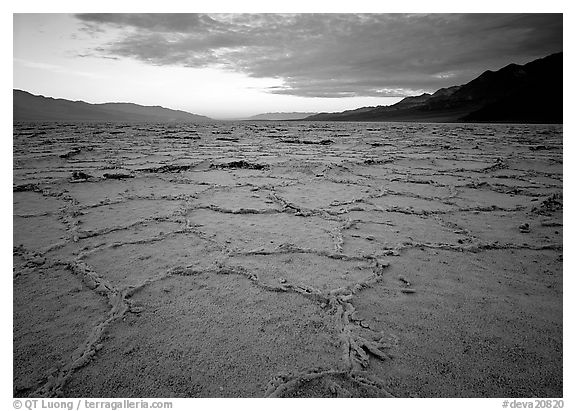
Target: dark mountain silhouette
x,y
31,108
531,93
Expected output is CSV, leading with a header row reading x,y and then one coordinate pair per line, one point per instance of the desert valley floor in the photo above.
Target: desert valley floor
x,y
287,259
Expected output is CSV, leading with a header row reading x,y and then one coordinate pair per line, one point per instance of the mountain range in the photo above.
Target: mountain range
x,y
32,108
280,116
529,93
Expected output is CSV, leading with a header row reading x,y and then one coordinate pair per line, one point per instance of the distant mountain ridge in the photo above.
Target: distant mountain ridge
x,y
34,108
281,116
531,93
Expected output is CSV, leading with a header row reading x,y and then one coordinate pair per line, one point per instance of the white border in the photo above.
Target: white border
x,y
308,6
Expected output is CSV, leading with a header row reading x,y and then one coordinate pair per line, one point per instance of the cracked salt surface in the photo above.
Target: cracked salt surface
x,y
287,260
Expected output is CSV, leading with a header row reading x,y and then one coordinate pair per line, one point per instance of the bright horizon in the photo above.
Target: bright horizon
x,y
228,66
240,117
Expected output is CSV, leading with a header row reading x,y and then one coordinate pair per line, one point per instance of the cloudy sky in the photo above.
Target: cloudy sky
x,y
236,65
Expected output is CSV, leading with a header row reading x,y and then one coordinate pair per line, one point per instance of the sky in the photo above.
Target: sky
x,y
238,65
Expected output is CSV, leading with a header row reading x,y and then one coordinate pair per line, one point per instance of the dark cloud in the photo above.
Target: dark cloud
x,y
166,23
335,55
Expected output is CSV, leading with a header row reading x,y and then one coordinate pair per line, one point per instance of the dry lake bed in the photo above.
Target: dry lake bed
x,y
287,259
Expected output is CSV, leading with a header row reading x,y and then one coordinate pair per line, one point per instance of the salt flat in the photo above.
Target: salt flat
x,y
287,259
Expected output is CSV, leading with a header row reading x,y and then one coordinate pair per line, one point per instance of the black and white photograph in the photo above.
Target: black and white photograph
x,y
287,205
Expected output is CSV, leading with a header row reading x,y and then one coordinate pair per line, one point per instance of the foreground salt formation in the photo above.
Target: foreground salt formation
x,y
287,259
